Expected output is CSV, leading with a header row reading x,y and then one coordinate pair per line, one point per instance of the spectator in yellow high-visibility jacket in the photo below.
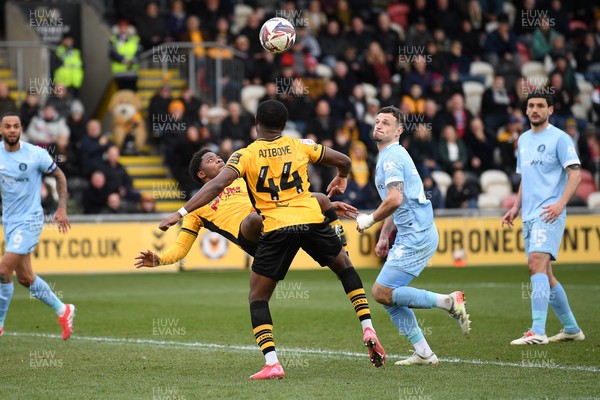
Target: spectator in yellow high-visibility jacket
x,y
124,52
70,72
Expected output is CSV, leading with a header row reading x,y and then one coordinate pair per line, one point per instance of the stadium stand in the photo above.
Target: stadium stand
x,y
417,46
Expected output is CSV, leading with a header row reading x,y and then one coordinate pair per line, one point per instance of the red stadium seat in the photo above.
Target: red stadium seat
x,y
576,24
524,52
587,177
398,14
585,189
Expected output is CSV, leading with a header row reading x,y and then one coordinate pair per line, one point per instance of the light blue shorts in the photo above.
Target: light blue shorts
x,y
410,254
542,237
21,237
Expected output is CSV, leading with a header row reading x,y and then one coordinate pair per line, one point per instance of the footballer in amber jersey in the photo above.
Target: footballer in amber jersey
x,y
223,215
266,167
275,169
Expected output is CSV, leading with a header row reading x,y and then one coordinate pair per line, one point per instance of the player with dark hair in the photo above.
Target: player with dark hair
x,y
230,214
23,165
275,169
404,206
550,173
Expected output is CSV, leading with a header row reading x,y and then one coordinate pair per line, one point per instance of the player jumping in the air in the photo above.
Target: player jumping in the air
x,y
230,214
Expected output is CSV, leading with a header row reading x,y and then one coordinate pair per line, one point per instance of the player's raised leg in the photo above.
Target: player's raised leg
x,y
571,332
397,302
261,289
454,303
251,227
41,291
7,265
391,289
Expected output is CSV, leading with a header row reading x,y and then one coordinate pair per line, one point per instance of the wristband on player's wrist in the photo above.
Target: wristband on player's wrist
x,y
369,220
182,211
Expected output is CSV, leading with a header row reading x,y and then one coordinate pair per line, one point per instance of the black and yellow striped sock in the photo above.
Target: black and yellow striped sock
x,y
356,293
262,325
335,223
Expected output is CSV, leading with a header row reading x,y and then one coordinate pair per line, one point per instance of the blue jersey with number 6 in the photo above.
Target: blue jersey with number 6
x,y
21,181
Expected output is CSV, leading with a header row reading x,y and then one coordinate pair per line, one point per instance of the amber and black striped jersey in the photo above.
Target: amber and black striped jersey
x,y
276,172
222,215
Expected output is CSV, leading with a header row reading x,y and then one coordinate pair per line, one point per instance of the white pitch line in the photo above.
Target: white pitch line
x,y
294,351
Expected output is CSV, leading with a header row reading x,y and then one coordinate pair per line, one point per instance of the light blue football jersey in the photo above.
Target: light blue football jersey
x,y
21,181
541,160
415,214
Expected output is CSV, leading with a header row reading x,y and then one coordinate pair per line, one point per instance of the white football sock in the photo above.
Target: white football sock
x,y
271,358
443,301
422,348
367,323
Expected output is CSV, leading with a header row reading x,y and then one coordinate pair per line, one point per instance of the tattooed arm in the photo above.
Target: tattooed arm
x,y
392,201
60,217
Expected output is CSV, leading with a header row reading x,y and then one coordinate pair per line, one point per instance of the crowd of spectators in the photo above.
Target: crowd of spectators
x,y
418,64
417,59
82,150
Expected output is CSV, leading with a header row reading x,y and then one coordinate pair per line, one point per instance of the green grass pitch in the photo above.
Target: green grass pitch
x,y
188,336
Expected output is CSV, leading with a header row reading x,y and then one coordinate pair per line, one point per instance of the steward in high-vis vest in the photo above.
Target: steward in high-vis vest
x,y
70,72
124,51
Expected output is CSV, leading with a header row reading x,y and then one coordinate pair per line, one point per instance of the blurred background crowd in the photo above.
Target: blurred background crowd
x,y
459,70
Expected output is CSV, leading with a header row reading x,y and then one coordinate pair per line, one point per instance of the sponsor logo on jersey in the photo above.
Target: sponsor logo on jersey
x,y
234,158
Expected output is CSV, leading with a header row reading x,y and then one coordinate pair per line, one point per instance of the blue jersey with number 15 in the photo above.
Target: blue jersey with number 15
x,y
541,160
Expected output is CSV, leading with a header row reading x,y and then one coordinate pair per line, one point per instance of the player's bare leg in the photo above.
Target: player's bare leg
x,y
40,290
251,227
343,268
261,289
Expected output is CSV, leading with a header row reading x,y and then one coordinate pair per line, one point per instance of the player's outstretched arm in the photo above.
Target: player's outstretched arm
x,y
511,214
174,253
60,216
341,209
552,211
344,209
208,192
147,259
392,201
343,164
